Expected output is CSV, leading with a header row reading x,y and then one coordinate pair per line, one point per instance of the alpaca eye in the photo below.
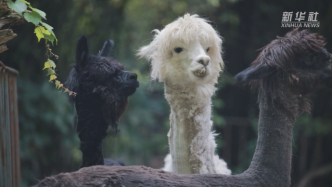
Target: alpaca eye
x,y
178,49
208,49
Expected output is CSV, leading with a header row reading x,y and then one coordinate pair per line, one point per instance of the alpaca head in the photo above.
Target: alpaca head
x,y
102,77
186,52
290,69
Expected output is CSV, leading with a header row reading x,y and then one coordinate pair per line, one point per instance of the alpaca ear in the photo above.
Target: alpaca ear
x,y
255,73
147,51
151,52
82,53
107,48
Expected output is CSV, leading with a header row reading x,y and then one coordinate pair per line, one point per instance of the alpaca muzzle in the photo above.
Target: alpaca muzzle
x,y
128,81
201,72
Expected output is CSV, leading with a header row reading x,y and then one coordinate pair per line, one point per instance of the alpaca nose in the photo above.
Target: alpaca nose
x,y
132,76
204,60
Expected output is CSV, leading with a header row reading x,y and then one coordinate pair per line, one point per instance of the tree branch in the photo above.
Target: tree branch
x,y
314,174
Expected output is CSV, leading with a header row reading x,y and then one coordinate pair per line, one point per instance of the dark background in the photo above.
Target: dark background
x,y
48,142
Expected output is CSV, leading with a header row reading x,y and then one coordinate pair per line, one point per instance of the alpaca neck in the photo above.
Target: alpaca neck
x,y
272,158
91,128
189,118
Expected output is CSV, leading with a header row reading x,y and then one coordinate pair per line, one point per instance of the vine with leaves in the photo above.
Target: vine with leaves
x,y
42,31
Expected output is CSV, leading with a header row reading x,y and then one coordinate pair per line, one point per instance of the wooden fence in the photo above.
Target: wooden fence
x,y
10,175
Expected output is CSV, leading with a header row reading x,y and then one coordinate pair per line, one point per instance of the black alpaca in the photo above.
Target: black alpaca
x,y
102,86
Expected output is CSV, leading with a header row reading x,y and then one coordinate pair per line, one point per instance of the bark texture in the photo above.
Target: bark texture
x,y
7,17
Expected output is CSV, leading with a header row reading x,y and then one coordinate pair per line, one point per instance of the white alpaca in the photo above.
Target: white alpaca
x,y
186,56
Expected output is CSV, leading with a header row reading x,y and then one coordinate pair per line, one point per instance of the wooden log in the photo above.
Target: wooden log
x,y
135,176
8,16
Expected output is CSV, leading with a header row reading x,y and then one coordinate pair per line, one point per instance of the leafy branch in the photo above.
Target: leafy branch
x,y
42,31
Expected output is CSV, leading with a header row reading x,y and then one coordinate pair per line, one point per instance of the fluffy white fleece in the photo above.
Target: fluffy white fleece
x,y
190,77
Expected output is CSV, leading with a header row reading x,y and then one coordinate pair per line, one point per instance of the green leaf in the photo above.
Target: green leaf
x,y
33,17
41,13
46,31
51,63
57,84
50,71
47,65
48,27
52,77
39,32
18,6
49,37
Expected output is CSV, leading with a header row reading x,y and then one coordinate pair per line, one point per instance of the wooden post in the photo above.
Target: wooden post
x,y
10,175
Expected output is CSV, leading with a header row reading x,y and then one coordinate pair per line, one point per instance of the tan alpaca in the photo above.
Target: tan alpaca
x,y
186,56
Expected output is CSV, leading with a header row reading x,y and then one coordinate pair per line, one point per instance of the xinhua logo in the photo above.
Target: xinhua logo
x,y
301,19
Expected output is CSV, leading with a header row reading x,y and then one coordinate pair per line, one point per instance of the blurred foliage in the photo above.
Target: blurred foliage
x,y
47,134
49,143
